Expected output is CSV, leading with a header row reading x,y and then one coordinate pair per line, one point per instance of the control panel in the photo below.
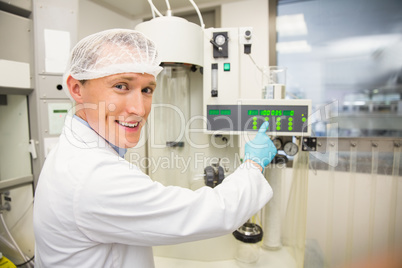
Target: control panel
x,y
285,117
232,99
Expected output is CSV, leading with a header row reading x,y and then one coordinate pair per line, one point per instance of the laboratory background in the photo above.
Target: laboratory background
x,y
326,75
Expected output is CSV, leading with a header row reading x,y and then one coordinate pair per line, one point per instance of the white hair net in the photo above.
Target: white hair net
x,y
112,52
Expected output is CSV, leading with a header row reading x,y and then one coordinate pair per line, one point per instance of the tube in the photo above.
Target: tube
x,y
198,13
14,244
272,211
294,226
373,193
393,200
167,4
214,80
154,8
330,211
351,210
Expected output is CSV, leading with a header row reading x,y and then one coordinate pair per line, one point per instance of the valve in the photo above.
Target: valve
x,y
214,175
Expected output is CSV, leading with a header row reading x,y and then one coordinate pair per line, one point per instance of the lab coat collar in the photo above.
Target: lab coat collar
x,y
81,136
120,151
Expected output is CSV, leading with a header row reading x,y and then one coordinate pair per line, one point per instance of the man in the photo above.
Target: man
x,y
91,208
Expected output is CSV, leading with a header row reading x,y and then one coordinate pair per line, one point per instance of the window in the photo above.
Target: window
x,y
345,55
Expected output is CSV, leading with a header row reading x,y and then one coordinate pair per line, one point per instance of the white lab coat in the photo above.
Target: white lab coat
x,y
93,209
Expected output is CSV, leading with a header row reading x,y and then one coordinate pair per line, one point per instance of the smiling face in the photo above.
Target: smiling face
x,y
115,106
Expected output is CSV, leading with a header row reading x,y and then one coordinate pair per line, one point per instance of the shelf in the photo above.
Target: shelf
x,y
15,91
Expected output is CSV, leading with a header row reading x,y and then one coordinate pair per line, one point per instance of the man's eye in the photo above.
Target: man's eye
x,y
121,87
147,90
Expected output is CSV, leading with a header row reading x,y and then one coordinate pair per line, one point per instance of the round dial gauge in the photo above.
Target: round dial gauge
x,y
220,39
278,143
290,148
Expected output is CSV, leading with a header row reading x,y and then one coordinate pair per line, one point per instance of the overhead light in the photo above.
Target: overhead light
x,y
361,45
291,25
293,47
356,103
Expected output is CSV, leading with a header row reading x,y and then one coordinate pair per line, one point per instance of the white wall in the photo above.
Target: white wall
x,y
250,13
93,18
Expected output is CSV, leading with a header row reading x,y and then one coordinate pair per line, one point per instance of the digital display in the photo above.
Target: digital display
x,y
285,119
222,112
277,112
60,111
252,112
289,113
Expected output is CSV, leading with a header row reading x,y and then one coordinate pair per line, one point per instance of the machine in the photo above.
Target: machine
x,y
227,103
231,112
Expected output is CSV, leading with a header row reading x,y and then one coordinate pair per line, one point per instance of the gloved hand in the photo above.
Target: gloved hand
x,y
261,149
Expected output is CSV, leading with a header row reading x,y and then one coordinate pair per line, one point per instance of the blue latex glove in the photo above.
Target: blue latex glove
x,y
261,149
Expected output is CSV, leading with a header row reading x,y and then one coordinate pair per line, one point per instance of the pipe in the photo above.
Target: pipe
x,y
198,13
294,225
167,4
394,197
13,243
272,219
351,209
154,8
373,196
168,11
331,200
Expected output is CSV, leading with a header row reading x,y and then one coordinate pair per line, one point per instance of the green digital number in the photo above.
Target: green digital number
x,y
289,112
276,112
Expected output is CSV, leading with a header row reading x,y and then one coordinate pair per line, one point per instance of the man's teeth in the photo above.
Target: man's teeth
x,y
125,124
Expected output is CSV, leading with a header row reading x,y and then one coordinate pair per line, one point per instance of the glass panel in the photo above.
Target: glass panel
x,y
349,52
171,111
